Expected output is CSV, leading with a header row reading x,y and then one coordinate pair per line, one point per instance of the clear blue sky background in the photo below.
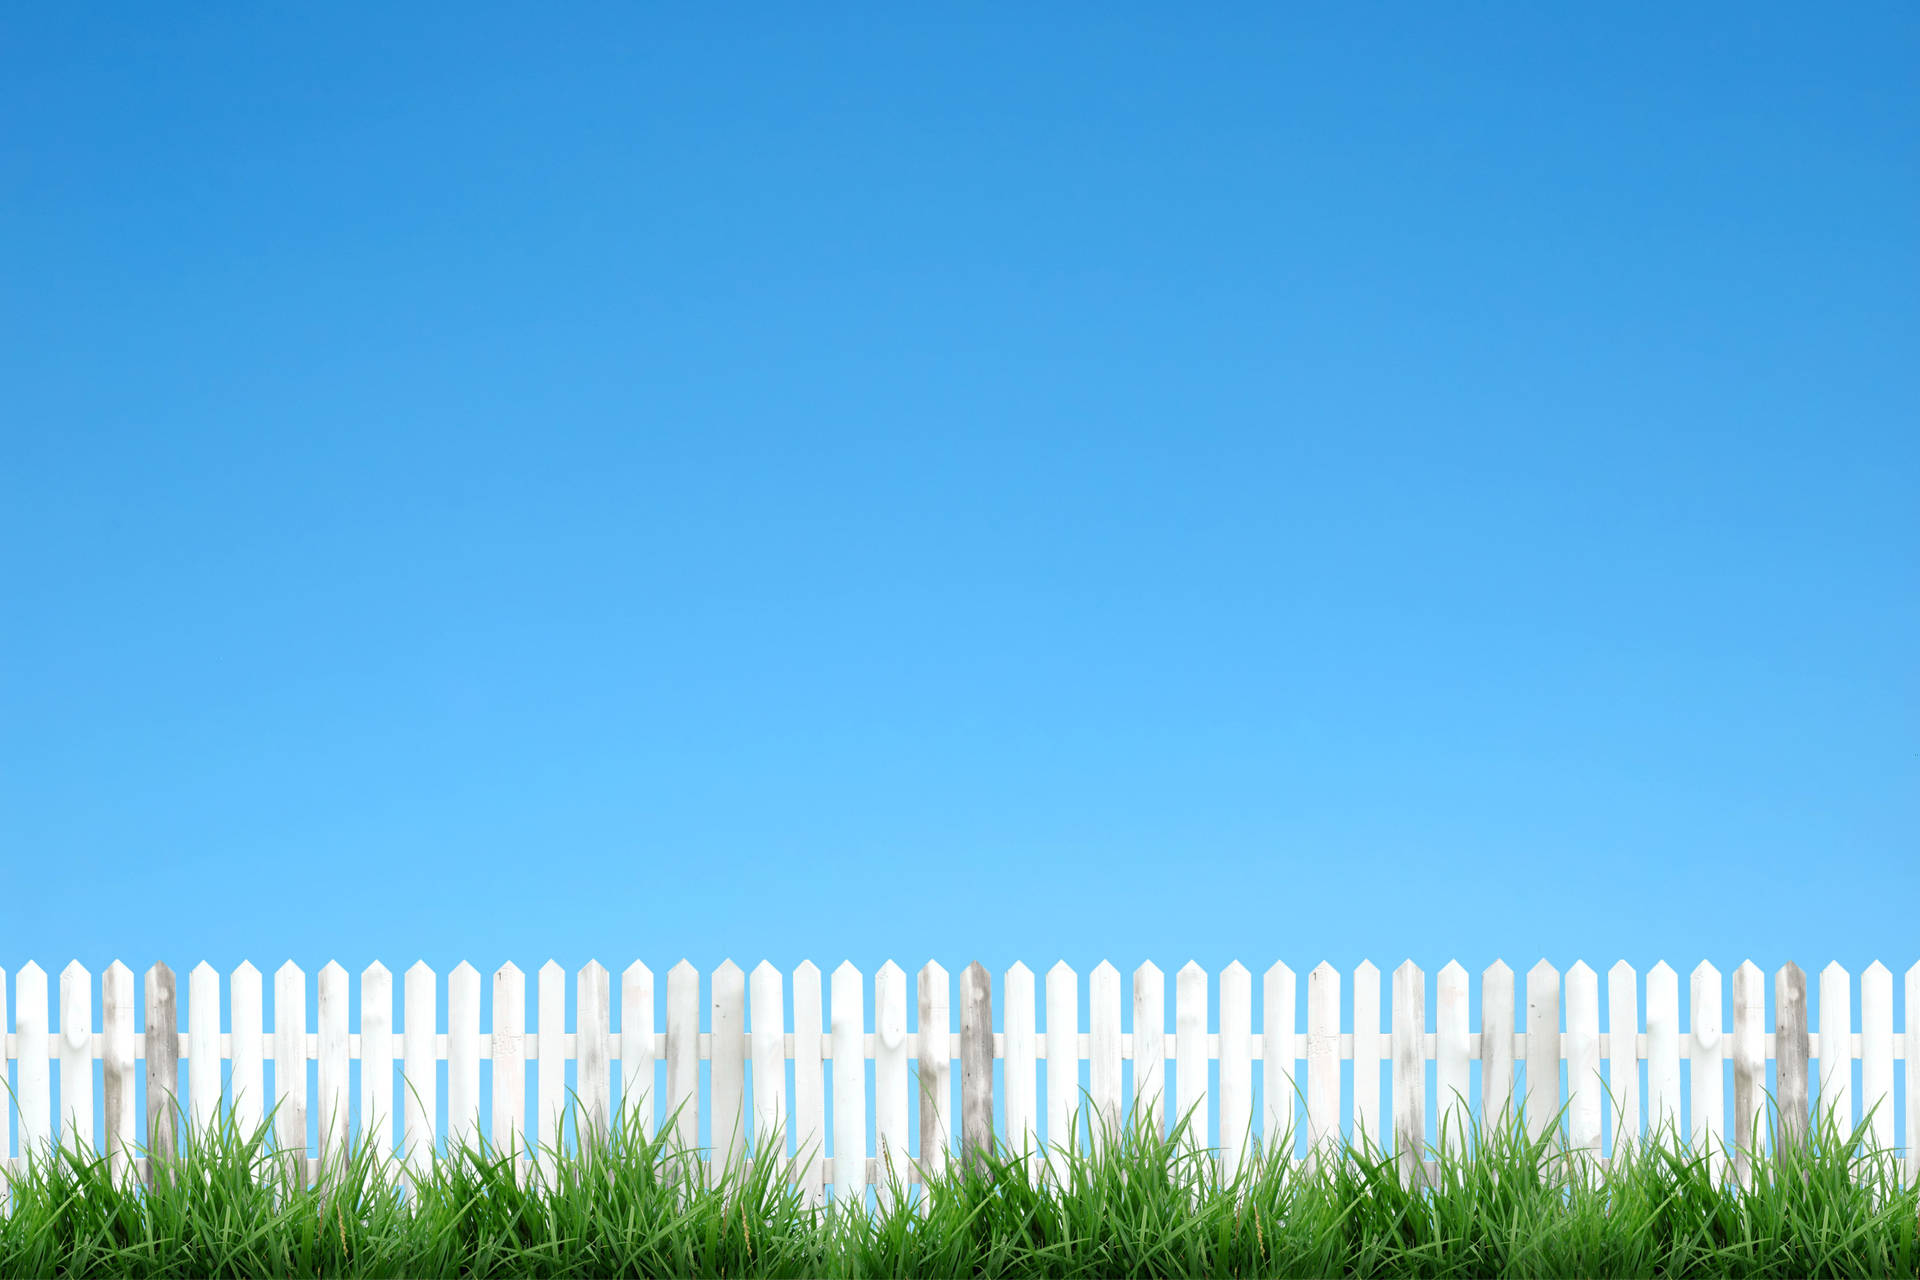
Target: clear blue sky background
x,y
844,484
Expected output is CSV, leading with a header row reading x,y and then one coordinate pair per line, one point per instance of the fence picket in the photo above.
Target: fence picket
x,y
463,1056
809,1085
1835,1095
593,1059
1707,1070
1323,1063
849,1016
334,1081
290,1068
935,1083
1791,1054
1278,1060
1018,1069
376,1056
33,1044
116,1073
1543,1049
1749,1068
1410,1070
548,1134
203,1047
890,1053
1367,1042
1236,1068
420,1070
1150,1046
1585,1088
1663,1055
637,1049
76,1059
1190,1054
1497,1102
1912,1038
163,1064
727,1069
1876,1054
509,1067
1063,1066
1452,1052
1623,1055
768,1012
976,1064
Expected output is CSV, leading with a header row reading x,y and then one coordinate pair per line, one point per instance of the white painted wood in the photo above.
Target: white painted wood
x,y
1911,1037
509,1136
1835,1096
1323,1063
1543,1049
935,1083
1876,1056
163,1062
809,1086
32,1040
1410,1071
76,1059
548,1133
1019,1072
727,1076
1063,1068
1236,1069
1623,1054
1150,1046
1368,1044
891,1081
290,1068
419,1071
1452,1098
7,1107
768,1043
849,1089
1749,1068
976,1065
203,1049
593,1056
463,1057
1707,1069
116,1075
376,1057
335,1093
1586,1091
1190,1056
637,1049
1663,1055
1792,1054
1278,1059
1498,1104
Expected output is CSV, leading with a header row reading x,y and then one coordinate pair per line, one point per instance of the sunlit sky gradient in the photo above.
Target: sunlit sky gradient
x,y
492,484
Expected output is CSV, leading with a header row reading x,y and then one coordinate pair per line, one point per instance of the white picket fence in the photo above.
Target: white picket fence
x,y
754,1036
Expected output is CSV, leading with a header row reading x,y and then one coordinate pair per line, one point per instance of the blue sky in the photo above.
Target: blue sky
x,y
840,484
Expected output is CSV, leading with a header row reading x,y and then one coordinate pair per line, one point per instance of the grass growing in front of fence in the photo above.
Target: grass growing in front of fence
x,y
229,1207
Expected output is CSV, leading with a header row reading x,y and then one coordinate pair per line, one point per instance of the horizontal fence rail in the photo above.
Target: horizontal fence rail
x,y
773,1045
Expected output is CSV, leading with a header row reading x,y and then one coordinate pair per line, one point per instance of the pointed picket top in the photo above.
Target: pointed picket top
x,y
32,972
1105,969
1237,970
1365,971
1018,969
117,969
891,970
1542,970
1663,969
1279,972
76,970
845,970
1498,969
1581,969
805,971
1836,969
1705,969
1621,971
1454,969
1148,969
463,970
289,970
1877,970
683,970
762,972
419,970
1060,968
1407,966
374,970
1323,971
1750,971
725,969
635,972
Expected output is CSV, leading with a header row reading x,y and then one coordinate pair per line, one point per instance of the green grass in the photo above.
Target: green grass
x,y
228,1208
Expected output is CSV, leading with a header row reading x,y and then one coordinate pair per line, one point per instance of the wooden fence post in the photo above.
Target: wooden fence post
x,y
976,1066
1790,1052
163,1066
